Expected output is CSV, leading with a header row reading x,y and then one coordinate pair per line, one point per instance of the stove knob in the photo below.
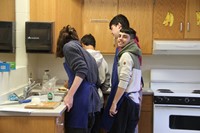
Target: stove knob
x,y
187,100
166,99
160,99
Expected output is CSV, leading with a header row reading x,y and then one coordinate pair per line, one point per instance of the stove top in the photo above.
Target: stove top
x,y
176,86
165,91
177,96
196,91
177,92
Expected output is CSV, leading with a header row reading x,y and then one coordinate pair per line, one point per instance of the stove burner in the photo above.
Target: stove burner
x,y
165,91
196,91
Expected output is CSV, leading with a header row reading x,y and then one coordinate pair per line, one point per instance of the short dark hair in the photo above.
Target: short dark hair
x,y
67,33
88,39
120,18
129,31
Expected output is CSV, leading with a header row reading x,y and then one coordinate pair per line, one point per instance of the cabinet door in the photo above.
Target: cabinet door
x,y
139,14
145,126
192,28
7,12
42,10
146,116
68,12
60,124
161,9
27,124
61,12
96,15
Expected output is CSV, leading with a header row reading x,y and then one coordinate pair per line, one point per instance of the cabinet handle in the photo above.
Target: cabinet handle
x,y
188,26
181,27
58,122
99,20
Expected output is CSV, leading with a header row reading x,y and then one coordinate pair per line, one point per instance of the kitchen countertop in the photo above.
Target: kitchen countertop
x,y
145,91
19,110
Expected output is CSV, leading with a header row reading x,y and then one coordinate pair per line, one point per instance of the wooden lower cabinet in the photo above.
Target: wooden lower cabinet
x,y
31,124
146,116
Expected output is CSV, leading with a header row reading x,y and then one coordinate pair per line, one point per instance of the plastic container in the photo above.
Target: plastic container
x,y
30,79
46,77
50,92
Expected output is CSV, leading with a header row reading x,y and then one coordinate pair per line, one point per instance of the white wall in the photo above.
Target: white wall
x,y
49,61
10,81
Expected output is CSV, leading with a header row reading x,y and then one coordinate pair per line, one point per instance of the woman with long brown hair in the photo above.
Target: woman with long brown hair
x,y
82,99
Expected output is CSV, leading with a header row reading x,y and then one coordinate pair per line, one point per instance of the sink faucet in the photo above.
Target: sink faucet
x,y
28,89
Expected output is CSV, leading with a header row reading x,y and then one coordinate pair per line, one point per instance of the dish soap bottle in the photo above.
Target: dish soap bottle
x,y
50,94
30,79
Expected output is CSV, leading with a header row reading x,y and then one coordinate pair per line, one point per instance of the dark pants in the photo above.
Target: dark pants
x,y
96,126
126,118
91,121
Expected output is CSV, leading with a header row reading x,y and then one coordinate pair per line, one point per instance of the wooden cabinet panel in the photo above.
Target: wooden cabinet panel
x,y
146,122
185,20
32,124
61,12
7,12
42,10
60,121
146,116
140,15
96,15
192,29
23,124
68,12
161,8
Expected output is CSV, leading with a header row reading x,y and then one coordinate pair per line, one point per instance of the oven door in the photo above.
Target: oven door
x,y
176,119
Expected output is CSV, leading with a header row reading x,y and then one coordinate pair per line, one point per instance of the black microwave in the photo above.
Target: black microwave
x,y
7,37
39,37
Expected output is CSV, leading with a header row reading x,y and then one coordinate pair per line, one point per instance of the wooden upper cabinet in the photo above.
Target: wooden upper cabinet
x,y
61,12
7,12
68,12
42,10
96,15
192,28
162,8
140,15
183,19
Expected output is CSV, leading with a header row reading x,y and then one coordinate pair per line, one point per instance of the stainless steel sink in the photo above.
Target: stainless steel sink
x,y
37,91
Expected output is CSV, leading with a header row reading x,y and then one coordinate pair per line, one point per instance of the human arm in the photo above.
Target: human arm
x,y
68,99
118,95
104,76
76,62
124,74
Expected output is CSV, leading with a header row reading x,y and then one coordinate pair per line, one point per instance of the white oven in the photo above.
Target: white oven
x,y
176,119
176,101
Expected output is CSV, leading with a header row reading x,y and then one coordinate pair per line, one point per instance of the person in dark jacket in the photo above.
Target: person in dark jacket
x,y
126,103
89,43
116,24
82,99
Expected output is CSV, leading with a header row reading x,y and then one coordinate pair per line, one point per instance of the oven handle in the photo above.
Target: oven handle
x,y
175,106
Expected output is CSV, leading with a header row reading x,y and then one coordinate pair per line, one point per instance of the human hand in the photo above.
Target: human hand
x,y
68,100
113,110
66,84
